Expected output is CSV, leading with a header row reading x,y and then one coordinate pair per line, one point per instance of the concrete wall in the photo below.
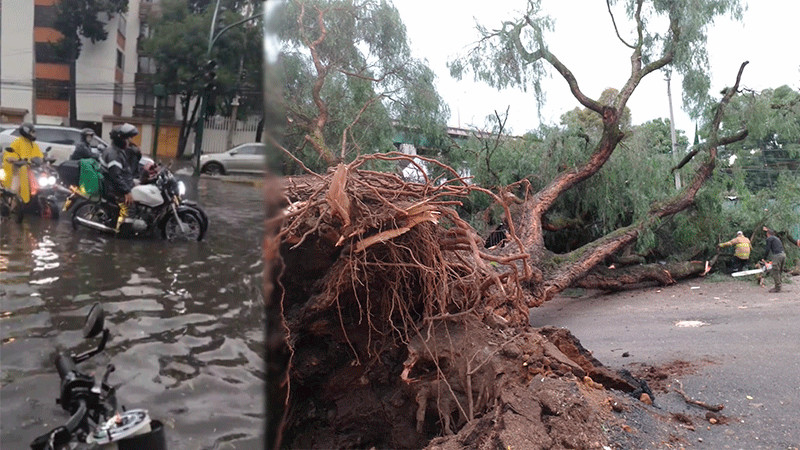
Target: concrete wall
x,y
16,55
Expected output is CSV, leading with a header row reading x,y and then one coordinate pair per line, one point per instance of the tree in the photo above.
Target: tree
x,y
656,134
82,18
350,79
520,45
181,62
773,145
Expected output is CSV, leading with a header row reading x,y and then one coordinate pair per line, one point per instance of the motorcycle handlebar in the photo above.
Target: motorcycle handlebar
x,y
65,365
77,418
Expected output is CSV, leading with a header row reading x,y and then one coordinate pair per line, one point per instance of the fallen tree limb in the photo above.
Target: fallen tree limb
x,y
692,401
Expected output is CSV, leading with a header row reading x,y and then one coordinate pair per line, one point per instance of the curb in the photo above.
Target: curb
x,y
257,182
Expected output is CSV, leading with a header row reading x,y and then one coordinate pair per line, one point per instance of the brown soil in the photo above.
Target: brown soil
x,y
660,378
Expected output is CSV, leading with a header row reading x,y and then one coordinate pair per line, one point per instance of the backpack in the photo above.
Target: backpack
x,y
91,180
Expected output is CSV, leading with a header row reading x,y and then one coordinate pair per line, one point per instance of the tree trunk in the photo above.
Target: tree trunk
x,y
187,122
73,85
634,277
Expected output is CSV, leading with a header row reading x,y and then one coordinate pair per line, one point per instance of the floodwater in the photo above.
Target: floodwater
x,y
186,321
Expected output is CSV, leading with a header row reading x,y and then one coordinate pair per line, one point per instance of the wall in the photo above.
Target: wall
x,y
16,54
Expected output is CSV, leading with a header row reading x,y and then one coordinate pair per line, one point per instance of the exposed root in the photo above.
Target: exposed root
x,y
398,315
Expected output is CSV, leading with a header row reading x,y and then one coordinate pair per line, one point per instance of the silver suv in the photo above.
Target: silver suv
x,y
61,140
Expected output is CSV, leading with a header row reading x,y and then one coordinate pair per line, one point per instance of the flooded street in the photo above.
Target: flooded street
x,y
186,321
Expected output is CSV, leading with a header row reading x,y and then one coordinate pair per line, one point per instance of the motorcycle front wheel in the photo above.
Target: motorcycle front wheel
x,y
194,229
49,209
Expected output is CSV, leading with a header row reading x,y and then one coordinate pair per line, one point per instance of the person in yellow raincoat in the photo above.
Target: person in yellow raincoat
x,y
741,251
24,147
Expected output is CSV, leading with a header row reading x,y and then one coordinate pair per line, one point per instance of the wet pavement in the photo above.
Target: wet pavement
x,y
742,339
186,321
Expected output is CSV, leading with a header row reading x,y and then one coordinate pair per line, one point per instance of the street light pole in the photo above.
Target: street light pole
x,y
198,141
198,132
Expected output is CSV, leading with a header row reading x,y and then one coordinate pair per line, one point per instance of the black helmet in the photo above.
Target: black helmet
x,y
28,131
121,133
86,132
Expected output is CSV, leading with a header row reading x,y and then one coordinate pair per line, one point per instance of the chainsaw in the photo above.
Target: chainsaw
x,y
763,269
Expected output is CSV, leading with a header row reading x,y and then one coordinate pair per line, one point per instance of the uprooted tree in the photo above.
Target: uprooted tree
x,y
394,323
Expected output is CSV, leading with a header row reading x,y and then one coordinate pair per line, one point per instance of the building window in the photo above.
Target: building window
x,y
120,60
44,16
147,65
52,89
122,24
46,53
117,93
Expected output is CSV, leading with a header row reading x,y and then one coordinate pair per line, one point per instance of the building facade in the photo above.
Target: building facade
x,y
111,78
36,80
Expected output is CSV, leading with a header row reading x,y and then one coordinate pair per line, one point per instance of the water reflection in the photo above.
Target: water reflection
x,y
186,321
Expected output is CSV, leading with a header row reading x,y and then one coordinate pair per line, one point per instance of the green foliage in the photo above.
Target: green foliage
x,y
692,19
656,134
587,122
82,18
356,80
772,118
178,45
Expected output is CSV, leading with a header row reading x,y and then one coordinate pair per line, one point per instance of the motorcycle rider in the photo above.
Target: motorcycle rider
x,y
84,149
121,164
24,147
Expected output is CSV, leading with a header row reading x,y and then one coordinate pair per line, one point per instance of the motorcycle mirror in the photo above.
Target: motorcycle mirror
x,y
94,321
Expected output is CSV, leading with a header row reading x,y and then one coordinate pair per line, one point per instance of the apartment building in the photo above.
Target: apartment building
x,y
111,78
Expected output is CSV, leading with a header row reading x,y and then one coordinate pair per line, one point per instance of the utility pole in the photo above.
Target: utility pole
x,y
672,133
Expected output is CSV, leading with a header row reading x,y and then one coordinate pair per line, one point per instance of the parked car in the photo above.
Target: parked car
x,y
61,140
244,158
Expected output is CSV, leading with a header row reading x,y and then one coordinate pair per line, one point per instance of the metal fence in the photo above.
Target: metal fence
x,y
222,133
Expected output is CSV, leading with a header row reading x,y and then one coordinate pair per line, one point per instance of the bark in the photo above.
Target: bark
x,y
634,277
187,123
564,270
315,137
73,97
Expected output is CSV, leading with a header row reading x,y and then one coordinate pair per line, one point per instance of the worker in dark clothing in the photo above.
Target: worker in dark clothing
x,y
774,249
117,162
83,149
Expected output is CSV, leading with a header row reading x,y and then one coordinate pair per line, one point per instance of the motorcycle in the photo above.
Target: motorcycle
x,y
43,182
158,206
9,202
96,419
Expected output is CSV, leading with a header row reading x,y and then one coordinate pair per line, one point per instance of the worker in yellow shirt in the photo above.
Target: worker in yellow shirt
x,y
741,251
15,178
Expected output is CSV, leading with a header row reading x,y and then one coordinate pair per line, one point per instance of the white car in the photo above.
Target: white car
x,y
61,140
244,158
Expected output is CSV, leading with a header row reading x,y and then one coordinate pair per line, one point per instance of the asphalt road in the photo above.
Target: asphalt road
x,y
746,348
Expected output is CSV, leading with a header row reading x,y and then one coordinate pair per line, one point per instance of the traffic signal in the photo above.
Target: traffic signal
x,y
211,75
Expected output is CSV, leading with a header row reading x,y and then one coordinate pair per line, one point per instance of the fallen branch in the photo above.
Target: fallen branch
x,y
692,401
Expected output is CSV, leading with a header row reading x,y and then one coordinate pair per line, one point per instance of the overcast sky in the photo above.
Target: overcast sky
x,y
768,37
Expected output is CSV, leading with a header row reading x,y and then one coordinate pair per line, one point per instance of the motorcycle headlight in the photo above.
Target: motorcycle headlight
x,y
43,181
52,180
2,175
181,188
